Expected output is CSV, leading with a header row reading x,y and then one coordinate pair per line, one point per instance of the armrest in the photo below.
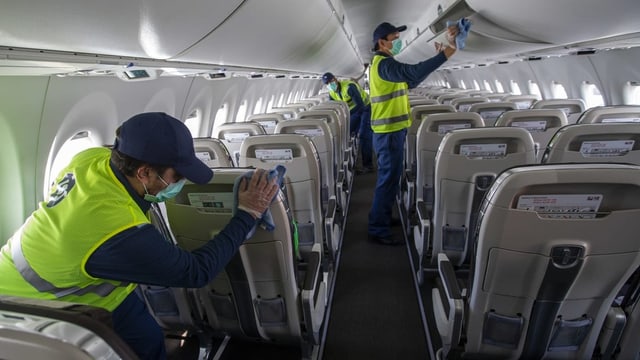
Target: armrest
x,y
611,332
331,229
314,295
449,318
422,231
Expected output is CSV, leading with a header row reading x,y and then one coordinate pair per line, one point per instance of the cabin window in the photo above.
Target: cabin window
x,y
270,103
221,115
77,143
591,95
632,93
499,87
515,88
476,85
462,84
193,122
281,100
558,91
257,109
242,112
448,84
487,86
534,89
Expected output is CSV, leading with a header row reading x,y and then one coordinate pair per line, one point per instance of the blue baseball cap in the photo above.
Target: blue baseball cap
x,y
385,29
327,77
160,139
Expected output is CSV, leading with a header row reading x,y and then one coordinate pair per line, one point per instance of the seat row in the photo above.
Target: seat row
x,y
277,286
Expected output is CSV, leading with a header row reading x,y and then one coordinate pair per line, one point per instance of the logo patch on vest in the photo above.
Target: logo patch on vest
x,y
62,189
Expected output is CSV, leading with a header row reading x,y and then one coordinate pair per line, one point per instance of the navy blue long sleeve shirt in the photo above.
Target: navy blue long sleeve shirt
x,y
142,255
413,74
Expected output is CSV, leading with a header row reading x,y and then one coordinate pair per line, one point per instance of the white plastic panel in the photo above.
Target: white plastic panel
x,y
561,22
255,36
145,28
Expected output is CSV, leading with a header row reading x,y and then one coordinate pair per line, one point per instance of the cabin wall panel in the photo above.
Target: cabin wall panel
x,y
21,100
570,71
615,68
98,105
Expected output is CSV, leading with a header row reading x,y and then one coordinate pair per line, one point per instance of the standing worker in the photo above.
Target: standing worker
x,y
360,113
389,81
92,242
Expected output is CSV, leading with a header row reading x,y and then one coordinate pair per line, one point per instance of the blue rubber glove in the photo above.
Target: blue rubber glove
x,y
463,31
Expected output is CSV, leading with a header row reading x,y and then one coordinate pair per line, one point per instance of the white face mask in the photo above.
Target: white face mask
x,y
332,86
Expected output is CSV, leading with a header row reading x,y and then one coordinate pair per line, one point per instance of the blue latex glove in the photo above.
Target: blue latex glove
x,y
266,220
463,30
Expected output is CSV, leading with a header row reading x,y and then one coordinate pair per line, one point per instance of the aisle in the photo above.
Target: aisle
x,y
375,313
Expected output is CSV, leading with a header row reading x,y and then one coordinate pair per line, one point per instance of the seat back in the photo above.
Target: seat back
x,y
288,112
496,97
333,112
422,101
464,103
572,108
47,329
233,134
257,297
212,152
320,134
418,114
521,101
609,114
432,130
541,123
491,111
467,163
303,181
600,142
545,293
268,120
445,99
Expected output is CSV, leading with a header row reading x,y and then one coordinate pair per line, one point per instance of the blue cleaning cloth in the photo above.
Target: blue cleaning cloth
x,y
463,30
266,220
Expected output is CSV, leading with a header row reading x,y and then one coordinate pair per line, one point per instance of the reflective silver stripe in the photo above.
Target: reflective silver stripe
x,y
43,285
395,94
392,120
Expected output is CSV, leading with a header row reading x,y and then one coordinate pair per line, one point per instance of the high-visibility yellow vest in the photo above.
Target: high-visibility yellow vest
x,y
46,257
390,109
344,86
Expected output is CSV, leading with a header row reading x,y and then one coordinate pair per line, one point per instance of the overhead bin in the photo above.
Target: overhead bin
x,y
314,39
504,29
149,29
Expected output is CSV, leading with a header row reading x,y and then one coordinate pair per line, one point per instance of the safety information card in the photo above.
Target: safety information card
x,y
310,132
274,155
531,126
235,137
445,128
484,151
606,148
562,206
212,202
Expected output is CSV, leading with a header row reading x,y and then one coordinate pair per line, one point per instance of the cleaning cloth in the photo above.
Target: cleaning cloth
x,y
463,31
266,220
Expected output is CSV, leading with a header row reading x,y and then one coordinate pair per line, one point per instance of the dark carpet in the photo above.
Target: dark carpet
x,y
375,313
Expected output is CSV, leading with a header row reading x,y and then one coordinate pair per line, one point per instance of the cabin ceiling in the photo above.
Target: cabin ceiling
x,y
291,36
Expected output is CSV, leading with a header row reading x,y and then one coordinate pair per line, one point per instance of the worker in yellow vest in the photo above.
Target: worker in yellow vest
x,y
92,242
357,99
389,81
